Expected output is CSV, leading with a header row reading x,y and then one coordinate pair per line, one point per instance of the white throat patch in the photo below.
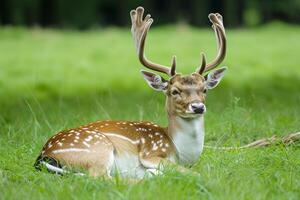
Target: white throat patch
x,y
189,139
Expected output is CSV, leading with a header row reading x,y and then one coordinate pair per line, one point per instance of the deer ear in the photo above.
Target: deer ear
x,y
214,77
155,81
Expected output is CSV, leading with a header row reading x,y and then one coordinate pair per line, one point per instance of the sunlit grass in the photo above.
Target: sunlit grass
x,y
51,80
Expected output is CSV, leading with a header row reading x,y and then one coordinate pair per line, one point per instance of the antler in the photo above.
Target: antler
x,y
217,24
139,30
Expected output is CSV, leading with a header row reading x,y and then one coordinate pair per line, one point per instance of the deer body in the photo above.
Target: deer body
x,y
125,147
111,146
132,149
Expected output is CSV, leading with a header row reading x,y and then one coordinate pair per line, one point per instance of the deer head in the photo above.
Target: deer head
x,y
185,93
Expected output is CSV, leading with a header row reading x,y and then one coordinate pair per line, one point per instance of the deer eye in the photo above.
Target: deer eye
x,y
175,92
205,90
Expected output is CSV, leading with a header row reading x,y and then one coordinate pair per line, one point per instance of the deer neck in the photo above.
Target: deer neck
x,y
187,136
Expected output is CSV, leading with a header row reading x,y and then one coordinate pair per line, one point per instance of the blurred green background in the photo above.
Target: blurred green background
x,y
54,76
84,14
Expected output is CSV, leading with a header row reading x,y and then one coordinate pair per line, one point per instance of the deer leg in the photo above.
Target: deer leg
x,y
103,166
96,157
155,165
102,160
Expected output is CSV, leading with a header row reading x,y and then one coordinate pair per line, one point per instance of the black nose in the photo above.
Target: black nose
x,y
198,108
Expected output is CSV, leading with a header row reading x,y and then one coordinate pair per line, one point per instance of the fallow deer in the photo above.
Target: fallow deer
x,y
133,148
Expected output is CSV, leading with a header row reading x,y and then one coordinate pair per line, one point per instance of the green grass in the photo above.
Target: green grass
x,y
52,80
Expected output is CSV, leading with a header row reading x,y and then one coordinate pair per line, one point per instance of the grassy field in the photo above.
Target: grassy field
x,y
52,80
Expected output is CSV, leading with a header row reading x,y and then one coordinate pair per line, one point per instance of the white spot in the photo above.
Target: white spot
x,y
143,140
50,144
131,124
155,125
43,152
70,150
123,137
77,137
71,144
124,123
72,131
167,145
163,149
85,128
60,144
154,147
150,135
157,133
86,144
70,134
106,124
77,133
118,123
97,136
63,139
89,138
76,141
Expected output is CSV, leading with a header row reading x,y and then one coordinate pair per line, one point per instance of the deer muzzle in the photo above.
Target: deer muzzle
x,y
196,108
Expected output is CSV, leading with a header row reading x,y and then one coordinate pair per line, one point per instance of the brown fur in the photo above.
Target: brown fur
x,y
191,88
104,142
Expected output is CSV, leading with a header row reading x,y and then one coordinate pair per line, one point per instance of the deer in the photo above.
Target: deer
x,y
134,149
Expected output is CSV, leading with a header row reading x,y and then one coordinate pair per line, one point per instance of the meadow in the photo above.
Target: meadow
x,y
56,79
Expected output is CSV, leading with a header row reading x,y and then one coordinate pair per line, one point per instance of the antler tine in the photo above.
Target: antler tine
x,y
217,25
173,67
217,19
203,64
139,30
